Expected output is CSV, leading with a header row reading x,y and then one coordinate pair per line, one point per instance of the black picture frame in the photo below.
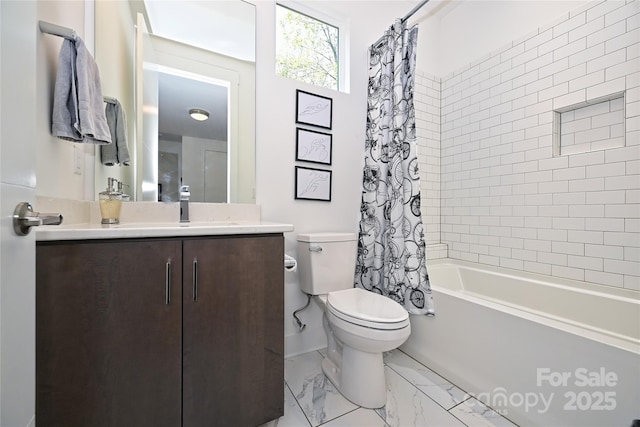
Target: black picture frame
x,y
313,184
313,146
313,110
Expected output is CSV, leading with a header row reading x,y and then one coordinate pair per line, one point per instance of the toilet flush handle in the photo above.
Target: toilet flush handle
x,y
315,248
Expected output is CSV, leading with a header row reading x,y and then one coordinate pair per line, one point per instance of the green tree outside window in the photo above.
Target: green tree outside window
x,y
307,49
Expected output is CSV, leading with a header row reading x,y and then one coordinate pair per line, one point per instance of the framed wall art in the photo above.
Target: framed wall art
x,y
313,146
314,110
313,184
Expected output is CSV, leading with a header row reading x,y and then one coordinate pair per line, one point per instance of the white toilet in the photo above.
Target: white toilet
x,y
360,325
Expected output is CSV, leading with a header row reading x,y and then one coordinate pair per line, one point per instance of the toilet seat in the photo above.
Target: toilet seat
x,y
367,309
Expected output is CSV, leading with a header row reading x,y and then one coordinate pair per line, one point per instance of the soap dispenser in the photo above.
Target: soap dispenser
x,y
125,197
110,203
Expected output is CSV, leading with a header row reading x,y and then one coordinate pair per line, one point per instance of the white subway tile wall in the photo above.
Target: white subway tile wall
x,y
492,190
427,106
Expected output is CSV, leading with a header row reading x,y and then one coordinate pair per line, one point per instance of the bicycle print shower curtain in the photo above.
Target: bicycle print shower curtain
x,y
391,247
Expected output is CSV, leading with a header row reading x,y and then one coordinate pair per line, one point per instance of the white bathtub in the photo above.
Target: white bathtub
x,y
540,350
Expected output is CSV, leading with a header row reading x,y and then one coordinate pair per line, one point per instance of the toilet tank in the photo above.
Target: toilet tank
x,y
326,261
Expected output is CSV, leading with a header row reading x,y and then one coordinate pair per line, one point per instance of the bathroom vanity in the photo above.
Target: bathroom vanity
x,y
160,326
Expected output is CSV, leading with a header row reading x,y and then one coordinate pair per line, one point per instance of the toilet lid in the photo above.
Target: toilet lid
x,y
360,304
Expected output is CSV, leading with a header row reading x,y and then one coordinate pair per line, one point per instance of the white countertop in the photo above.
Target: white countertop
x,y
141,230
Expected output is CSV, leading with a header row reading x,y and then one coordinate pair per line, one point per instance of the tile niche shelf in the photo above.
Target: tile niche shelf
x,y
595,125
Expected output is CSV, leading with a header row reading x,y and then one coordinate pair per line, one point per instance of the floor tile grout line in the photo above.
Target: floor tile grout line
x,y
417,388
298,403
460,403
353,410
386,424
470,397
426,367
339,416
327,378
449,411
457,404
444,378
462,422
430,398
335,418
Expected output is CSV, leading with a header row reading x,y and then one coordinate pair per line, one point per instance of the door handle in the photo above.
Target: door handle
x,y
24,218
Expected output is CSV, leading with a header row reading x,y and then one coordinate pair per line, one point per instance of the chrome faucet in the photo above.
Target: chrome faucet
x,y
184,203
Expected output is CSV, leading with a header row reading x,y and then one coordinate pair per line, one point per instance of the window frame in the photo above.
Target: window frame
x,y
343,37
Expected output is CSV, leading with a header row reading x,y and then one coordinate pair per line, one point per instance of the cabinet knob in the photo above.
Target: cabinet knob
x,y
24,218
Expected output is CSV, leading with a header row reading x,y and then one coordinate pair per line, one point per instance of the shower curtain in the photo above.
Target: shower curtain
x,y
391,249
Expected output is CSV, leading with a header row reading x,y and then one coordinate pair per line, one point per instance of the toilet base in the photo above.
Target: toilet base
x,y
362,380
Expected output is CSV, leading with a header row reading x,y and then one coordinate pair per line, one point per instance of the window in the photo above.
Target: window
x,y
307,49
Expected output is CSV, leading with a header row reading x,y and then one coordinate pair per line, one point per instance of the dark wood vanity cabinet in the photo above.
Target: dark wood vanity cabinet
x,y
107,344
233,331
160,332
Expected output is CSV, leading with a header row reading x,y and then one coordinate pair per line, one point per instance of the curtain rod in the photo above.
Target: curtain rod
x,y
414,10
406,17
57,30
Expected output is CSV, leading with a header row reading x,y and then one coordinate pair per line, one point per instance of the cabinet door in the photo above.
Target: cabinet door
x,y
233,338
108,350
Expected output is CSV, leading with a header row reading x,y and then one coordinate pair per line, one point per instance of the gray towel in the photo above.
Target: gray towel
x,y
65,98
78,114
117,152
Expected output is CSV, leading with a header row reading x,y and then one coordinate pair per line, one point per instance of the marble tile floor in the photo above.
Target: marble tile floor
x,y
416,396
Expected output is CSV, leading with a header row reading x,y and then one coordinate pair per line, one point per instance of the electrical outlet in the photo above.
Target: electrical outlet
x,y
77,159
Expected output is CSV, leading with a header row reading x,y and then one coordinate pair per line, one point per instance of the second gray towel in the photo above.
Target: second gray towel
x,y
117,152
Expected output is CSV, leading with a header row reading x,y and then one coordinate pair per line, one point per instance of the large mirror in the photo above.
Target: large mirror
x,y
185,55
192,150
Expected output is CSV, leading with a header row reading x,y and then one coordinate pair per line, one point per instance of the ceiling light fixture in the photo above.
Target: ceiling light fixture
x,y
199,114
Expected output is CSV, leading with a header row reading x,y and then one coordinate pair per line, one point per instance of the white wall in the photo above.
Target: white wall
x,y
55,157
275,145
114,55
454,32
170,169
204,183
